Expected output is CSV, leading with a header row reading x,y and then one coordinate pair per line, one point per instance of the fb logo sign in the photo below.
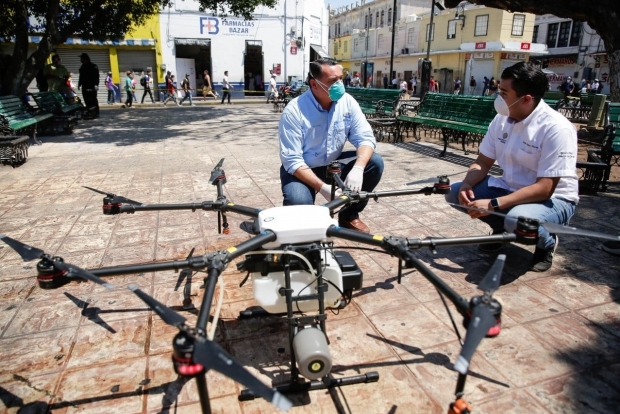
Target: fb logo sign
x,y
211,24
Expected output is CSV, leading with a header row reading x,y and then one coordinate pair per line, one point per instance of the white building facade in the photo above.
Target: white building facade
x,y
284,39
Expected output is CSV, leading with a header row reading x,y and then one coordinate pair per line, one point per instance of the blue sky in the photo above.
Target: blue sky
x,y
338,3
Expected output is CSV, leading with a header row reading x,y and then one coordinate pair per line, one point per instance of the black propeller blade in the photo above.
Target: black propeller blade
x,y
166,314
26,252
211,356
216,172
553,227
73,270
30,253
115,198
249,227
492,279
482,319
343,161
433,180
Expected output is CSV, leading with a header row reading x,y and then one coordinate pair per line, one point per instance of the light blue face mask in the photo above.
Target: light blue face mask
x,y
335,92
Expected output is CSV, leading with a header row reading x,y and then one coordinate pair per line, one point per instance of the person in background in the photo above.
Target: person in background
x,y
226,88
187,89
111,87
485,86
415,85
385,82
394,83
89,83
347,80
403,88
457,86
129,89
172,91
56,75
472,85
432,85
147,81
273,89
355,82
207,89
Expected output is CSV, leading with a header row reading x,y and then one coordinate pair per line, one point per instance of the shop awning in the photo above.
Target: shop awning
x,y
77,41
194,42
320,51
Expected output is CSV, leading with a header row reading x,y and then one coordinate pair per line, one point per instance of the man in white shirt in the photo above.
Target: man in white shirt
x,y
537,149
226,87
273,89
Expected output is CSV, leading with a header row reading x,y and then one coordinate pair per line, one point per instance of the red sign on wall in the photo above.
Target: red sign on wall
x,y
481,45
525,46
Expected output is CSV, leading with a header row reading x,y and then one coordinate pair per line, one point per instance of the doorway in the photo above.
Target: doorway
x,y
253,69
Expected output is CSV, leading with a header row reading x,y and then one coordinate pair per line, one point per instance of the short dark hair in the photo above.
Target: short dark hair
x,y
526,79
316,67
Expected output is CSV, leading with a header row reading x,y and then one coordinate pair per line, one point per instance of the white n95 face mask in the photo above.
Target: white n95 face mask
x,y
502,107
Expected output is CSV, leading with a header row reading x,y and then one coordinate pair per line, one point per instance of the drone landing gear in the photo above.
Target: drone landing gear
x,y
326,383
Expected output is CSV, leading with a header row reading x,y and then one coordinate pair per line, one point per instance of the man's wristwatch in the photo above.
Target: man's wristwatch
x,y
495,204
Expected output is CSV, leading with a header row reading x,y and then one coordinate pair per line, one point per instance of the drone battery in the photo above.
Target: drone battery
x,y
352,275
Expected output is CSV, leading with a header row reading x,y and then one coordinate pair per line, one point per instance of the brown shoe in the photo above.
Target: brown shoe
x,y
355,224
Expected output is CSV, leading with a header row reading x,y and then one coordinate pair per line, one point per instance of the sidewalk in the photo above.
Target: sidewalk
x,y
82,347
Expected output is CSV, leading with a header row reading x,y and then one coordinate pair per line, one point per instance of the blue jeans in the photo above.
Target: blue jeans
x,y
187,95
554,210
296,192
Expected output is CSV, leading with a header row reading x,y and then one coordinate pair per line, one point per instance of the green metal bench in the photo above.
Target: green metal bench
x,y
376,102
610,151
577,109
53,102
458,117
20,118
553,99
13,149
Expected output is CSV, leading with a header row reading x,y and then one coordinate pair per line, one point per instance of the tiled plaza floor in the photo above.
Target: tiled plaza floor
x,y
84,348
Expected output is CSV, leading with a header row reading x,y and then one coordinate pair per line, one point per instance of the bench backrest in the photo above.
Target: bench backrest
x,y
474,110
553,95
612,138
11,106
369,97
587,98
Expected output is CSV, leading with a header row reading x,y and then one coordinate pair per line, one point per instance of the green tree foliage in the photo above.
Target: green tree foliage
x,y
56,21
602,16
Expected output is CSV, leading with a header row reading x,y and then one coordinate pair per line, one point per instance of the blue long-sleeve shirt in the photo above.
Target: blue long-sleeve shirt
x,y
313,136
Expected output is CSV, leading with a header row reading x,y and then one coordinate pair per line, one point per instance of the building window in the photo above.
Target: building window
x,y
518,22
564,34
451,29
430,34
340,43
381,41
482,25
335,48
370,21
390,16
575,35
356,45
377,19
366,22
382,18
535,34
345,46
552,34
411,36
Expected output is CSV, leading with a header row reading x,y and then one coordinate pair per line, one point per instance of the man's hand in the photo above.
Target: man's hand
x,y
466,194
355,178
326,192
484,204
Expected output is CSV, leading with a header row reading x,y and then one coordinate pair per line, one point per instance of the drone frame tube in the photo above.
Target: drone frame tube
x,y
221,206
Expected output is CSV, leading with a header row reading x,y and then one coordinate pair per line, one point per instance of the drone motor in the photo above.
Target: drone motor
x,y
48,275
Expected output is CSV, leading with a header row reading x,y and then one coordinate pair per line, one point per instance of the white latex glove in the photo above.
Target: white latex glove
x,y
326,192
355,178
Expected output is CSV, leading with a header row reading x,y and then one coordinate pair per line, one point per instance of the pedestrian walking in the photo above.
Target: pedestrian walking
x,y
128,89
171,91
147,82
188,91
226,88
207,88
111,87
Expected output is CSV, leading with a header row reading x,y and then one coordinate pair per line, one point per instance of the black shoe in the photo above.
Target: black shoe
x,y
491,248
543,258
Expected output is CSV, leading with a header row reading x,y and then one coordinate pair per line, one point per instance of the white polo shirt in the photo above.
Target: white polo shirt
x,y
542,145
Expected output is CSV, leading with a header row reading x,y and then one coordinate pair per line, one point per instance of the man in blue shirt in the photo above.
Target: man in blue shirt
x,y
313,131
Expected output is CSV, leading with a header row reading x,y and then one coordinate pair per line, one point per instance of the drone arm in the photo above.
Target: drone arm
x,y
246,211
130,208
433,242
398,247
197,262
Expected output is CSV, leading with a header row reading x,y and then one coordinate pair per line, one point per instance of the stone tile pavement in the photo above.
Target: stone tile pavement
x,y
83,348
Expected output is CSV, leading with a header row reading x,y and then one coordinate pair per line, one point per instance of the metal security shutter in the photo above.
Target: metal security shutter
x,y
479,68
137,61
101,57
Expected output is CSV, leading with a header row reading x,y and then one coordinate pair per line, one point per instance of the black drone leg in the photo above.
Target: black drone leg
x,y
203,393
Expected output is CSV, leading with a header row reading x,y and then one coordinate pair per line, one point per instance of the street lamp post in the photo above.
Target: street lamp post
x,y
426,63
393,34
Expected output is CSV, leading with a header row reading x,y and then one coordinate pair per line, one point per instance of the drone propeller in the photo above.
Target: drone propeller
x,y
249,227
343,161
26,252
211,356
553,228
433,180
165,313
216,172
29,253
115,199
482,318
